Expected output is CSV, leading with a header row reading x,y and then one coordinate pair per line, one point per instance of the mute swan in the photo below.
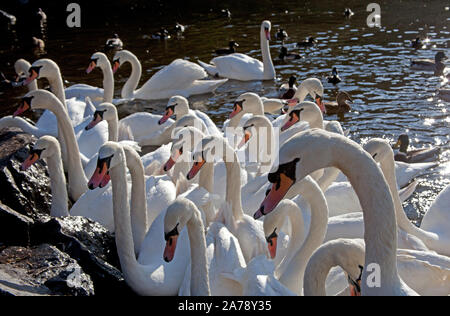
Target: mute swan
x,y
149,274
181,77
242,67
211,256
316,149
248,231
425,272
21,67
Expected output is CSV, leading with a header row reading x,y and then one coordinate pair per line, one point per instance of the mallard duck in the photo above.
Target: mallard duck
x,y
288,56
340,105
414,156
334,78
281,35
287,90
309,43
435,65
230,50
417,43
114,43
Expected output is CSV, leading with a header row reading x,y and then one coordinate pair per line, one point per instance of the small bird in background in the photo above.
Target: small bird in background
x,y
417,43
334,78
309,43
230,50
38,46
179,28
348,12
163,34
114,43
284,55
42,16
226,13
437,65
281,35
287,90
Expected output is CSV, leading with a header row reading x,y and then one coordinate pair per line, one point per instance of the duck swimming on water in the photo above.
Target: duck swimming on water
x,y
230,50
334,78
414,156
340,106
437,65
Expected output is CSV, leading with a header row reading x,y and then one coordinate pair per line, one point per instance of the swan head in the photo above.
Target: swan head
x,y
184,141
21,67
177,216
252,126
178,106
305,111
120,58
45,147
38,99
98,60
110,155
266,27
379,149
273,223
42,68
303,154
314,88
208,151
104,111
247,103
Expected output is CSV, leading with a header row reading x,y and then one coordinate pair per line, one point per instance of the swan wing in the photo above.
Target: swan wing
x,y
239,66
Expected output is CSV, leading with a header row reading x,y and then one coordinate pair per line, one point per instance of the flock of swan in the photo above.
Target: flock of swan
x,y
198,217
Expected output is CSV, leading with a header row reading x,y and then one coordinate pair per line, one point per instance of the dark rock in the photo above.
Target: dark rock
x,y
41,270
25,192
91,245
14,227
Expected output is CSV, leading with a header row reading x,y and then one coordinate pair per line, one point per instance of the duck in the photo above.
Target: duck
x,y
38,44
311,42
288,56
444,94
417,43
144,268
340,106
179,28
281,35
348,12
212,256
226,13
243,67
316,149
163,34
435,65
181,77
287,91
334,78
114,43
414,156
230,50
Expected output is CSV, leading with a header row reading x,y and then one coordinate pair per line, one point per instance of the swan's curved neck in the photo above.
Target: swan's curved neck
x,y
77,178
388,168
132,82
379,214
32,86
59,206
269,69
113,130
293,276
346,254
9,121
57,86
199,264
206,181
329,176
108,83
233,190
138,204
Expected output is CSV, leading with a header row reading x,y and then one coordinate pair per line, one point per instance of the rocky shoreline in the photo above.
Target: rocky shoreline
x,y
40,255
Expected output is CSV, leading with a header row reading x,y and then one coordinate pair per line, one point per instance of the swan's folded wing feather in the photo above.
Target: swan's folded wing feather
x,y
239,66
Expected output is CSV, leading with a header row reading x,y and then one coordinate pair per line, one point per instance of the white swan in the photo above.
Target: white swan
x,y
242,67
21,67
316,149
149,274
211,256
181,77
248,231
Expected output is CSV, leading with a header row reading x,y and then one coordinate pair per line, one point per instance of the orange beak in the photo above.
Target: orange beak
x,y
105,181
116,66
294,119
237,109
171,162
275,196
245,139
267,35
292,102
21,109
272,245
97,119
97,177
29,161
195,169
166,117
320,104
30,78
91,67
171,246
353,290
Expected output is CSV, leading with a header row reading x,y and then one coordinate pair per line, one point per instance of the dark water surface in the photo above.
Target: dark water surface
x,y
389,98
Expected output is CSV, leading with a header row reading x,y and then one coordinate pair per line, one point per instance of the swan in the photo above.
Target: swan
x,y
242,67
149,274
212,255
316,149
181,77
21,67
425,272
248,231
